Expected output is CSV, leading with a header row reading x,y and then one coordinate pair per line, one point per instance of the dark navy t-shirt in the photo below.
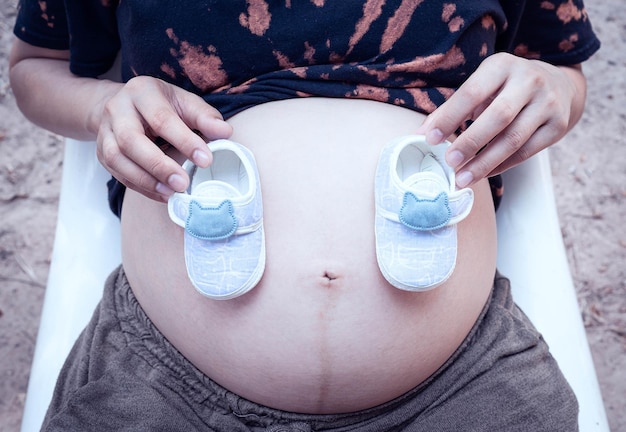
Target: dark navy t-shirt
x,y
237,54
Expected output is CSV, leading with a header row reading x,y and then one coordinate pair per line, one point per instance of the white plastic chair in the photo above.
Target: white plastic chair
x,y
531,254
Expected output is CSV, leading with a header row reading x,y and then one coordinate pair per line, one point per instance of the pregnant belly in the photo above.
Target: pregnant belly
x,y
323,331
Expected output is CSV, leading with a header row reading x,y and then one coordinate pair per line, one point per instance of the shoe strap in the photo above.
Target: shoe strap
x,y
425,214
211,223
434,208
207,217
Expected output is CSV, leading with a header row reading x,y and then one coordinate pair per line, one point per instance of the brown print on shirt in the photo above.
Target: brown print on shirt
x,y
398,23
258,17
569,43
566,12
364,91
44,14
372,10
203,69
447,16
446,61
318,3
283,60
488,23
422,100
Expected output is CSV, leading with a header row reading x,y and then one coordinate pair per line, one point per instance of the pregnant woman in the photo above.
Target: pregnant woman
x,y
326,337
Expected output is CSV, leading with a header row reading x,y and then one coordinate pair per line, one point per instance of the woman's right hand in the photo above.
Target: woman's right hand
x,y
125,118
143,110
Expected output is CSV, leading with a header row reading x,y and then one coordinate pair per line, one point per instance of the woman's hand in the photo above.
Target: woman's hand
x,y
125,118
518,107
143,110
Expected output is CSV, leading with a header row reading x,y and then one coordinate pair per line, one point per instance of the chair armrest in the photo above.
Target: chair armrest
x,y
86,249
532,255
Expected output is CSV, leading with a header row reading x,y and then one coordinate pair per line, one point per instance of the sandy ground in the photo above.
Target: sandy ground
x,y
590,179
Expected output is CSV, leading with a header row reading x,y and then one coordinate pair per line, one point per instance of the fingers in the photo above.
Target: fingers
x,y
518,108
499,132
540,139
146,109
467,103
130,170
509,147
177,116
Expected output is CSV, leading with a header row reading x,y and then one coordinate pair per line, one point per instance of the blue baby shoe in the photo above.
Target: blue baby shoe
x,y
417,209
222,214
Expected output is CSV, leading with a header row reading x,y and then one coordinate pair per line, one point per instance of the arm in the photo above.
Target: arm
x,y
43,97
518,107
123,118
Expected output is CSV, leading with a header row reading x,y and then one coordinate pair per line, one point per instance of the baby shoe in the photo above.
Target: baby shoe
x,y
222,214
417,209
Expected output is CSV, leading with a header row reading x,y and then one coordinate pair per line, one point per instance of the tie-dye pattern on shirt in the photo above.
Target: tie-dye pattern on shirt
x,y
240,53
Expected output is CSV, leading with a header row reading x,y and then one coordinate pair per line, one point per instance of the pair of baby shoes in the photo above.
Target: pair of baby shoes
x,y
417,208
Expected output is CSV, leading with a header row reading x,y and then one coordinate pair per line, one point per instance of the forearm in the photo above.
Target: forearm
x,y
52,97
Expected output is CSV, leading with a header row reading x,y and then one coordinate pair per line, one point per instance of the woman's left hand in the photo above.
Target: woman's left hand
x,y
518,108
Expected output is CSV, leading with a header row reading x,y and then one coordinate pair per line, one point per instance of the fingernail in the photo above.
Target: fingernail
x,y
455,158
464,178
163,189
434,136
177,182
200,158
